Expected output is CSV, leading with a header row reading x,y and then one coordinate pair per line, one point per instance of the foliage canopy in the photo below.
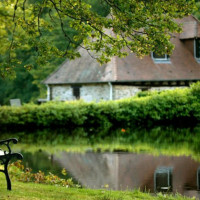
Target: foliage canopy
x,y
139,25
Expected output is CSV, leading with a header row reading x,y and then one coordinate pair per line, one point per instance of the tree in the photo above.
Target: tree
x,y
197,11
141,26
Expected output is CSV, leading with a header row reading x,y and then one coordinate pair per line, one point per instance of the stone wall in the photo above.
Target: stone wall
x,y
98,92
93,92
123,91
61,93
165,88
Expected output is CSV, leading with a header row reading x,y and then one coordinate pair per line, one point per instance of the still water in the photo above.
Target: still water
x,y
122,171
163,159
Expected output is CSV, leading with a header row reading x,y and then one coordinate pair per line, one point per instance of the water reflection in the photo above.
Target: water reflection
x,y
119,170
123,171
159,137
45,162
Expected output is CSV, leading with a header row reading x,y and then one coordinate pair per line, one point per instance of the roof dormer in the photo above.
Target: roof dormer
x,y
191,28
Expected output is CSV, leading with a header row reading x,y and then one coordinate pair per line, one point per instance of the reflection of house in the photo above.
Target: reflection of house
x,y
128,171
84,78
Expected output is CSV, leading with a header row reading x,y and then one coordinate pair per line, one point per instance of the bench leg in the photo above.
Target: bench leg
x,y
7,176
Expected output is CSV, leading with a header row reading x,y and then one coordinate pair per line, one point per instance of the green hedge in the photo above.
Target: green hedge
x,y
169,106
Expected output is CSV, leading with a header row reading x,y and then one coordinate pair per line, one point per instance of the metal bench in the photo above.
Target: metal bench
x,y
6,156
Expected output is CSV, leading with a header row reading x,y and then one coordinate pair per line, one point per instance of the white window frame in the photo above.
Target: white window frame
x,y
195,49
160,60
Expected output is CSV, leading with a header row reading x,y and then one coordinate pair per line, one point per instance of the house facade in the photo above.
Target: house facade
x,y
83,78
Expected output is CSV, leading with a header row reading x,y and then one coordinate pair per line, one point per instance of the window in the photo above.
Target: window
x,y
197,49
144,89
76,91
160,58
163,179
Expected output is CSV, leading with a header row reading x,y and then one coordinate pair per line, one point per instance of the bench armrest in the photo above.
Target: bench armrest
x,y
7,143
14,140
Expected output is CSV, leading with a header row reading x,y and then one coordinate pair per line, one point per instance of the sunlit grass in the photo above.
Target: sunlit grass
x,y
29,191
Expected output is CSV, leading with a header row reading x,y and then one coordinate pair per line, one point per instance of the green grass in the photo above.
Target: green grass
x,y
27,191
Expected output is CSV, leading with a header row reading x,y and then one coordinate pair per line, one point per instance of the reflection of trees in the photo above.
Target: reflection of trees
x,y
159,138
44,162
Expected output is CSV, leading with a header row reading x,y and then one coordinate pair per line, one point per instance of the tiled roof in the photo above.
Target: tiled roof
x,y
82,70
183,65
191,28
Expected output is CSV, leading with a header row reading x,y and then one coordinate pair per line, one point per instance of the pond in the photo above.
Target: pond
x,y
165,159
122,171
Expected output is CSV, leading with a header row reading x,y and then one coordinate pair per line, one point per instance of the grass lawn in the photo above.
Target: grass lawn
x,y
35,191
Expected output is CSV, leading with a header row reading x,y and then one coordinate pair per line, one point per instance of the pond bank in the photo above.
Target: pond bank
x,y
29,191
159,140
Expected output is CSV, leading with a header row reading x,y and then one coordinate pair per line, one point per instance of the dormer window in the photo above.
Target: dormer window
x,y
160,58
197,49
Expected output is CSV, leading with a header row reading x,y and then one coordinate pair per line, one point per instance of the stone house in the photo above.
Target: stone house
x,y
84,78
